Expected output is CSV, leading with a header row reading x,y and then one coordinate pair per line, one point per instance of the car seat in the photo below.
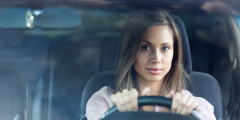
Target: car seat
x,y
204,85
15,97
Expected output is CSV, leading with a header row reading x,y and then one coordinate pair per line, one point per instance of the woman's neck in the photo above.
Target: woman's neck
x,y
155,87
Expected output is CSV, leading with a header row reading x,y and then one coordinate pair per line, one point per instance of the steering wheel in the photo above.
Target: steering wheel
x,y
149,100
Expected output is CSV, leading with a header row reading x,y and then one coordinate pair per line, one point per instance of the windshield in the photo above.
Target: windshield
x,y
57,63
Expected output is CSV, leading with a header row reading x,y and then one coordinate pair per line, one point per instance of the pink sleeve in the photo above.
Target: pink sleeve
x,y
99,103
205,109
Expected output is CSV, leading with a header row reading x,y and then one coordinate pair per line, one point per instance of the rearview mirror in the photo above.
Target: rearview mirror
x,y
47,18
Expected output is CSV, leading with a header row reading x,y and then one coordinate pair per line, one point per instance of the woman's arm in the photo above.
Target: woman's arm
x,y
99,103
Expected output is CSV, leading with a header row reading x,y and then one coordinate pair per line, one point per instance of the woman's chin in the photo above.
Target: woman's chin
x,y
155,79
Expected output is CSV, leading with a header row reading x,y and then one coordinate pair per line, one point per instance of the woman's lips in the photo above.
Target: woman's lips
x,y
154,71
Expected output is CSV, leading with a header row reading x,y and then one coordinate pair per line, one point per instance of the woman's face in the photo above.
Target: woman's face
x,y
154,59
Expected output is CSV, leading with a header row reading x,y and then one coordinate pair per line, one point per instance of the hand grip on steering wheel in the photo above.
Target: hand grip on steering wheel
x,y
152,100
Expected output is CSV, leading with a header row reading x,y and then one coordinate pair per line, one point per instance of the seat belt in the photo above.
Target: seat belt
x,y
232,105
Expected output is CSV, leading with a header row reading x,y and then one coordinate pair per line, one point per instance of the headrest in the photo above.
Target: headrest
x,y
187,61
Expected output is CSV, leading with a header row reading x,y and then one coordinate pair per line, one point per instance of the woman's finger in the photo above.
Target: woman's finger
x,y
170,94
127,99
116,102
193,106
187,106
121,102
146,91
182,102
134,99
175,102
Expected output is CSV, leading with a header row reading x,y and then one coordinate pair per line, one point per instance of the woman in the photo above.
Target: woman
x,y
150,63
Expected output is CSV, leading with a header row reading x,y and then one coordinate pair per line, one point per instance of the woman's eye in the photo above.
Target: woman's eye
x,y
165,48
145,47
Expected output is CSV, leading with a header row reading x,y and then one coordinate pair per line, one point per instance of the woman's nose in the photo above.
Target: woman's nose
x,y
156,56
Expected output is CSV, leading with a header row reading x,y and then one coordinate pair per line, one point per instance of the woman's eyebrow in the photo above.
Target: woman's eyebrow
x,y
161,44
166,43
147,42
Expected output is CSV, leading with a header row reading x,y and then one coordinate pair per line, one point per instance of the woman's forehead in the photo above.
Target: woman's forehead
x,y
159,34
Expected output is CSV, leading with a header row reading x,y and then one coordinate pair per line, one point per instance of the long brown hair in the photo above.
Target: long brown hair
x,y
134,30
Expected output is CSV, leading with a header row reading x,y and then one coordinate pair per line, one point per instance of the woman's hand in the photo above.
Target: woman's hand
x,y
128,100
182,104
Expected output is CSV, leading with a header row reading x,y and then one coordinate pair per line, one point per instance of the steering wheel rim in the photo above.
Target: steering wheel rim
x,y
151,100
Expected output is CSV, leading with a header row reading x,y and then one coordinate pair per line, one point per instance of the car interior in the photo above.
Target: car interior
x,y
59,70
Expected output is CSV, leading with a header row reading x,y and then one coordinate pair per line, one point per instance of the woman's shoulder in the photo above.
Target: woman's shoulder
x,y
107,90
99,103
183,91
191,95
102,95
